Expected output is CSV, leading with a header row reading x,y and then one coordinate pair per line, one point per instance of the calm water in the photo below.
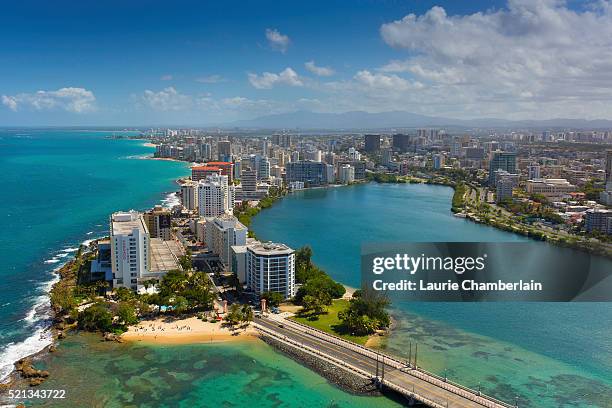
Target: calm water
x,y
552,353
59,187
245,374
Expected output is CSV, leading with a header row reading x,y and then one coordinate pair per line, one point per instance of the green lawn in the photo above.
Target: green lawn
x,y
330,323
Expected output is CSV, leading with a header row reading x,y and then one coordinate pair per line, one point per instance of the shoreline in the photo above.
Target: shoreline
x,y
167,330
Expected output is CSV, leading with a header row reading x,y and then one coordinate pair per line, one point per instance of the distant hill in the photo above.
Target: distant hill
x,y
400,119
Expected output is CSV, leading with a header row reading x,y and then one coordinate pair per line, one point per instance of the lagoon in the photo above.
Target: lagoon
x,y
544,352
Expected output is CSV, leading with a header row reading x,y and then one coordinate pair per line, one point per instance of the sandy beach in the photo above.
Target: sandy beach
x,y
167,330
148,144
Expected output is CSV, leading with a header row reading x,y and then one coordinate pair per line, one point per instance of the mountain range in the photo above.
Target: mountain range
x,y
400,119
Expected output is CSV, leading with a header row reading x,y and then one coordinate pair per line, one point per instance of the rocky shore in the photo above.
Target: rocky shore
x,y
343,379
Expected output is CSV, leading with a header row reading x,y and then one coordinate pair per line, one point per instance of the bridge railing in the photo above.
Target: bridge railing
x,y
424,375
350,367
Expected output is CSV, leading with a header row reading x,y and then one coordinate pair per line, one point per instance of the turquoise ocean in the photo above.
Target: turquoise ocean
x,y
60,187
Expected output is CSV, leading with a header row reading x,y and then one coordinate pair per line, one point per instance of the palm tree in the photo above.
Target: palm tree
x,y
247,313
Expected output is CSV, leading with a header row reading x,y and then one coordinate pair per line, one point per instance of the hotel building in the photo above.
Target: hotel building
x,y
270,267
130,243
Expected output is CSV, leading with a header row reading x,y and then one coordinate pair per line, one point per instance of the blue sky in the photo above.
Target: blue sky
x,y
199,63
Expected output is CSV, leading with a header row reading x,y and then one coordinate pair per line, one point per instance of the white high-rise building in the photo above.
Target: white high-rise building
x,y
130,248
189,195
215,196
264,169
222,233
533,171
270,267
346,174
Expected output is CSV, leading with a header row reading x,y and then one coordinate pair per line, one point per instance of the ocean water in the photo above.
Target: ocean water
x,y
58,189
240,374
536,354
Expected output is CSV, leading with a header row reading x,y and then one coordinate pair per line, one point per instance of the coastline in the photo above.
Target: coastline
x,y
460,211
168,330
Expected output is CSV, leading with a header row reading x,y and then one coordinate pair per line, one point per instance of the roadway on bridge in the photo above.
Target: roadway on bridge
x,y
368,364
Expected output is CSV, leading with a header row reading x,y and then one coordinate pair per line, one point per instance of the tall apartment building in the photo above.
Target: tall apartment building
x,y
598,220
358,165
130,248
221,234
401,142
224,150
270,267
533,171
282,140
189,195
609,170
501,161
372,143
263,172
159,222
308,172
504,185
215,196
346,174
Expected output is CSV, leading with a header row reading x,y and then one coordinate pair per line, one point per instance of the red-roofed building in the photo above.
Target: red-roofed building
x,y
227,168
200,172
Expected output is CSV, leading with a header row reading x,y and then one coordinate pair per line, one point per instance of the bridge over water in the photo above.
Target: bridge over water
x,y
389,372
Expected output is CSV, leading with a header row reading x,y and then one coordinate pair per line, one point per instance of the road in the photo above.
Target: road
x,y
366,361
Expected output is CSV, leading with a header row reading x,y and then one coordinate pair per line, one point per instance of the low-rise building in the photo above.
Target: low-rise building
x,y
550,188
598,219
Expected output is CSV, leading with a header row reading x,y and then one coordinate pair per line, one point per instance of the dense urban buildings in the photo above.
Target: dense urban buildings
x,y
553,175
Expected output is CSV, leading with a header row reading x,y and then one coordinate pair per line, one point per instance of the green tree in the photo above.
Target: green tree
x,y
247,314
62,298
126,313
172,283
366,313
234,314
124,294
180,304
273,299
95,317
186,261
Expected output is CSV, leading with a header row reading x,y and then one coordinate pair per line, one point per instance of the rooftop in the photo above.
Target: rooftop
x,y
123,223
269,248
164,255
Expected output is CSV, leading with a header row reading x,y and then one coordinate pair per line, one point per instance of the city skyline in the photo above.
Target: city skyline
x,y
77,64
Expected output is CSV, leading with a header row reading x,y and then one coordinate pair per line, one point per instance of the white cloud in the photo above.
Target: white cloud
x,y
210,79
534,58
76,100
268,80
385,83
10,102
168,99
167,77
320,71
277,41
